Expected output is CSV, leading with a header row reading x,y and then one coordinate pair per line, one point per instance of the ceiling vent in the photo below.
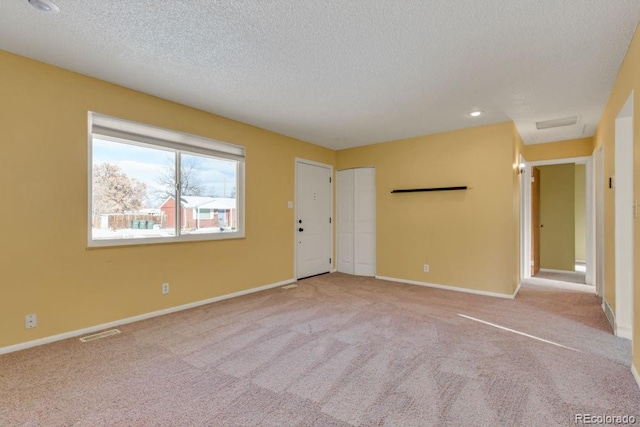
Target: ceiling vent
x,y
556,123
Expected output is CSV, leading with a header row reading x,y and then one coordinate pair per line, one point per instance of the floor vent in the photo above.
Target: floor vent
x,y
99,335
291,286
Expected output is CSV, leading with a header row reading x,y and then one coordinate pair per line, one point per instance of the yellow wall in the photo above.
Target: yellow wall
x,y
580,212
469,238
558,150
46,268
557,237
627,81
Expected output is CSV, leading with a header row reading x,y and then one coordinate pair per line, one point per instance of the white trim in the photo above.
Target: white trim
x,y
332,268
526,224
114,127
635,373
590,224
450,288
599,221
609,314
143,135
515,293
91,329
576,160
623,218
524,238
550,270
624,331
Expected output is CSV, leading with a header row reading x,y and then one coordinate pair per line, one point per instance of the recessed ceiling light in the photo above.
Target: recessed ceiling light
x,y
44,5
475,113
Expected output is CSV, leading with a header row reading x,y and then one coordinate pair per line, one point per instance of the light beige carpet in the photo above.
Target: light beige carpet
x,y
562,276
337,350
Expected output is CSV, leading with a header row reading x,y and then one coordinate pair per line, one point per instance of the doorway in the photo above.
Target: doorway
x,y
313,212
623,189
356,221
535,221
534,227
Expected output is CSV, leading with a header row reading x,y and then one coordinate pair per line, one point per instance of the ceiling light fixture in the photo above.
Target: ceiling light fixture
x,y
44,5
475,113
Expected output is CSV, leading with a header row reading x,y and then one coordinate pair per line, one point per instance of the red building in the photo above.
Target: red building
x,y
202,212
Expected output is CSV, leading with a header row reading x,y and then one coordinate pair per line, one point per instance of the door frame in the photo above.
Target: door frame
x,y
525,225
623,205
524,242
535,245
297,161
598,188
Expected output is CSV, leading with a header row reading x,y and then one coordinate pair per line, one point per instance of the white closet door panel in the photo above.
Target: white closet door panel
x,y
345,224
365,221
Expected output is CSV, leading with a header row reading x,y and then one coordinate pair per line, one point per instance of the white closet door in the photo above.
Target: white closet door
x,y
345,226
356,221
365,221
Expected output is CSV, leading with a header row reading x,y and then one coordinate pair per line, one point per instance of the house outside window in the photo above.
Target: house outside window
x,y
137,172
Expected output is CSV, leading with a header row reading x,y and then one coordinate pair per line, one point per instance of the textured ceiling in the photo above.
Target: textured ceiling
x,y
342,73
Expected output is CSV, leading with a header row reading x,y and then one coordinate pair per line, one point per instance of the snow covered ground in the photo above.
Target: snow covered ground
x,y
134,233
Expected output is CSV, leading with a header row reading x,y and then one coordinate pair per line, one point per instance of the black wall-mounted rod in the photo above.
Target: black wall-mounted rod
x,y
418,190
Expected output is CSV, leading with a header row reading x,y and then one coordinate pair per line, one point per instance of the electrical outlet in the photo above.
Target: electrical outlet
x,y
426,268
165,288
30,321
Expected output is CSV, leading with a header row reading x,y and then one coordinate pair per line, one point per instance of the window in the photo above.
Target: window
x,y
152,185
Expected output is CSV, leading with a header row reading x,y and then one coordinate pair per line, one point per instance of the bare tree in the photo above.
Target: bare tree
x,y
113,191
190,183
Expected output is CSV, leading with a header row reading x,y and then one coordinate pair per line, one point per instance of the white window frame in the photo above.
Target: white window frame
x,y
129,132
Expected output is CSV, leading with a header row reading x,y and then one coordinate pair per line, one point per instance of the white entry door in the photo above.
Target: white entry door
x,y
313,222
356,189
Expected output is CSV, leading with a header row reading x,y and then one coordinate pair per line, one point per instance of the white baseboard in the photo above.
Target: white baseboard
x,y
515,293
450,288
624,331
635,373
91,329
549,270
608,312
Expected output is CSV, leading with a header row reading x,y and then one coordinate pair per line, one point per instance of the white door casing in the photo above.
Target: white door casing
x,y
313,218
600,223
623,188
526,224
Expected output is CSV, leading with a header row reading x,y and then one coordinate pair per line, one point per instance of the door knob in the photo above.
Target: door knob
x,y
300,229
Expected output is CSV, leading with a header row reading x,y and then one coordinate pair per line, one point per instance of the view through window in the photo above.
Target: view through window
x,y
137,179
